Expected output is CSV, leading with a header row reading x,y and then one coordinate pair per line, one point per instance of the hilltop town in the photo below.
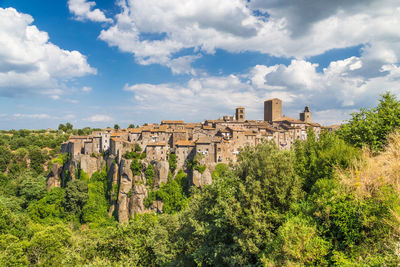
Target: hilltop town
x,y
218,141
195,147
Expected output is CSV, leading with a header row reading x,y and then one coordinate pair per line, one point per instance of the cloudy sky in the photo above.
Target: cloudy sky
x,y
96,63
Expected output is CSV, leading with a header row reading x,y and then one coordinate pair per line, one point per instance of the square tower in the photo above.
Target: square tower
x,y
306,115
239,116
272,109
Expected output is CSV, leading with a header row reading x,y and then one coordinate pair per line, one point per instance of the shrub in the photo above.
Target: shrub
x,y
149,173
370,127
172,162
136,167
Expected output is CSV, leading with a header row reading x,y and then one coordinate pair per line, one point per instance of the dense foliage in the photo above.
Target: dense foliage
x,y
370,127
325,202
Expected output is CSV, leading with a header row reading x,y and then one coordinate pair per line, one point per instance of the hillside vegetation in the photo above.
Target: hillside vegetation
x,y
332,200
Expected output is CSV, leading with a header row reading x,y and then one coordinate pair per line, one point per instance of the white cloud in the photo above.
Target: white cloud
x,y
32,116
86,89
83,10
155,30
30,63
332,94
99,118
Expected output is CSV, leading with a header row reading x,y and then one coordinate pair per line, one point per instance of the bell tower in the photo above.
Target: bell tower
x,y
306,115
239,115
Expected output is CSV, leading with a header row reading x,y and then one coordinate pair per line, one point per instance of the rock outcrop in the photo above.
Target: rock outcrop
x,y
113,176
161,169
138,194
54,177
200,179
90,164
125,186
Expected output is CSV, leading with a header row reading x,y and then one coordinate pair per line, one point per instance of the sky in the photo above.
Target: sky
x,y
100,63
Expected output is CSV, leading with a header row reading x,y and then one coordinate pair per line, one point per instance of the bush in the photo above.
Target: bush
x,y
370,127
172,162
149,173
76,196
136,167
320,158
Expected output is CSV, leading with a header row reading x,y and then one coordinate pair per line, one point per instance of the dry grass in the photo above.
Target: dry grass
x,y
372,172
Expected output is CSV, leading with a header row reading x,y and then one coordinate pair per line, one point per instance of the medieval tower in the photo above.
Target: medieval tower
x,y
239,116
306,115
272,109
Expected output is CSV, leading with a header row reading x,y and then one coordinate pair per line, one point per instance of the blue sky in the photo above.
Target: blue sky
x,y
97,63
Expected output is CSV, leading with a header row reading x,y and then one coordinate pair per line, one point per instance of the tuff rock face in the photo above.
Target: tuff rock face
x,y
54,177
139,193
125,186
200,179
161,169
128,191
113,175
91,164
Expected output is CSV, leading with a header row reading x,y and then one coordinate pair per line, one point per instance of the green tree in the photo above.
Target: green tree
x,y
76,196
233,221
96,208
138,148
116,127
370,127
68,126
149,174
12,251
37,159
318,158
31,188
50,207
136,166
5,158
62,127
49,246
131,126
172,162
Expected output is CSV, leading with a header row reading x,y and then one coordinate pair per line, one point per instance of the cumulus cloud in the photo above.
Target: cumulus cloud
x,y
155,31
29,63
332,94
84,10
99,118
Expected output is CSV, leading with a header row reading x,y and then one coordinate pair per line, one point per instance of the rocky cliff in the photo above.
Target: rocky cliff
x,y
128,190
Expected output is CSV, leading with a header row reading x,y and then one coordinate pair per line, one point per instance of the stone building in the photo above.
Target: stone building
x,y
157,151
214,141
272,109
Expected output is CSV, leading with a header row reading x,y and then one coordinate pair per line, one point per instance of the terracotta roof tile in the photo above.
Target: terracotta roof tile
x,y
157,144
184,143
249,133
171,122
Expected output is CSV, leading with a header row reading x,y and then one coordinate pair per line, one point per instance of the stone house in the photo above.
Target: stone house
x,y
157,151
